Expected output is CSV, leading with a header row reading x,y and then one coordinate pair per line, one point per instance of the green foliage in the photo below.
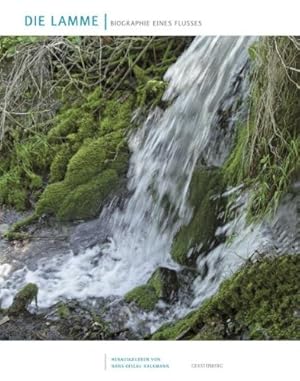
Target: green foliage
x,y
266,155
259,302
149,90
11,189
9,45
28,161
234,172
70,120
196,237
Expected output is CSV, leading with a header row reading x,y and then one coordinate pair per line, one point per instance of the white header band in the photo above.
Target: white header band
x,y
133,17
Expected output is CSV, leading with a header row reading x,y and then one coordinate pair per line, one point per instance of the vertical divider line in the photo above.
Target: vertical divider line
x,y
105,21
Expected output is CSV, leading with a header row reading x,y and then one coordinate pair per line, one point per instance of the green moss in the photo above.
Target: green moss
x,y
151,93
150,89
94,157
197,236
92,173
47,155
88,127
32,154
17,198
25,167
234,172
10,45
173,331
78,118
63,311
117,114
59,164
162,284
15,234
11,191
259,302
23,298
36,181
65,123
92,160
165,283
86,200
156,282
144,296
52,198
89,175
266,154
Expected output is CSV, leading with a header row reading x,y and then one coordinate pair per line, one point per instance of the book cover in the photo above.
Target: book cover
x,y
149,190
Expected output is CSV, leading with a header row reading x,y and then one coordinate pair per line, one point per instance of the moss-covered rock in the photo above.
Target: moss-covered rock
x,y
79,130
163,284
205,199
52,198
259,302
23,298
97,155
86,200
59,164
92,174
144,296
91,163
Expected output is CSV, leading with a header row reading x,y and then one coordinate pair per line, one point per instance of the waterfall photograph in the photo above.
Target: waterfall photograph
x,y
149,188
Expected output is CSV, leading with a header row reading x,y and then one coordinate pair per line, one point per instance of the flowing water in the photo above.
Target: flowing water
x,y
165,151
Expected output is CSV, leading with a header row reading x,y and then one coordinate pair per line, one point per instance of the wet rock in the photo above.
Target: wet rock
x,y
198,236
69,320
23,298
165,283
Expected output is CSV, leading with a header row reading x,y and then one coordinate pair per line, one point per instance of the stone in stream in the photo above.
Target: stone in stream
x,y
163,284
22,299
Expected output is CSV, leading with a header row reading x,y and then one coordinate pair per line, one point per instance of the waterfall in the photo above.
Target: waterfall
x,y
165,151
